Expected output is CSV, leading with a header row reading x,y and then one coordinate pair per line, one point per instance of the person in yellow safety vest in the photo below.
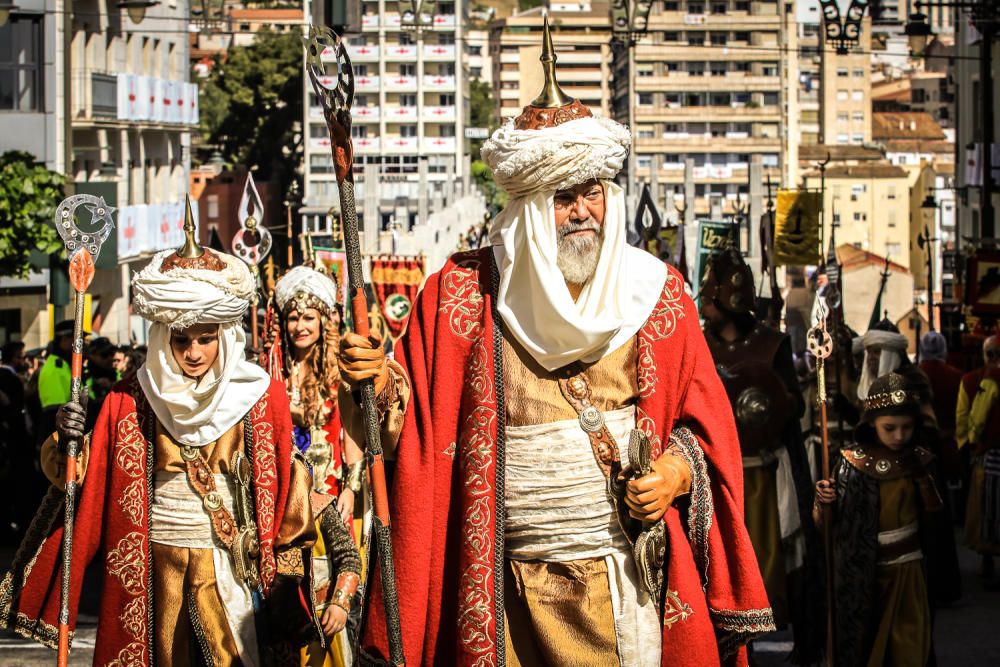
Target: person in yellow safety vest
x,y
54,378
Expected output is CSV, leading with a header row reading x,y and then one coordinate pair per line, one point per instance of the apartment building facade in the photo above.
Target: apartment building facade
x,y
110,106
710,86
581,34
409,117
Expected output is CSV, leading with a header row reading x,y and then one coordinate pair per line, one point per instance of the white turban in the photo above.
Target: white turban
x,y
182,297
891,347
310,281
197,412
555,158
534,300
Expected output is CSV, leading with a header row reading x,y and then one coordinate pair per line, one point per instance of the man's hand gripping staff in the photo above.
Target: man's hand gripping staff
x,y
83,247
336,93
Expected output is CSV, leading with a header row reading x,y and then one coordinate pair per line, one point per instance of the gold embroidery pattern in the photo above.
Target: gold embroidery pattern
x,y
481,383
475,604
133,655
132,503
130,447
265,467
461,299
646,368
133,619
127,562
675,609
662,321
449,451
645,423
290,562
477,448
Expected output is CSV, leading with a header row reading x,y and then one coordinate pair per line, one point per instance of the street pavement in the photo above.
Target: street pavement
x,y
967,633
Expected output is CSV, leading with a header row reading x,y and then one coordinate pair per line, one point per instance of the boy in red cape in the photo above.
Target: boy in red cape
x,y
190,500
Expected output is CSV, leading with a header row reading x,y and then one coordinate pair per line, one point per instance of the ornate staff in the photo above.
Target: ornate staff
x,y
83,248
252,242
337,95
821,346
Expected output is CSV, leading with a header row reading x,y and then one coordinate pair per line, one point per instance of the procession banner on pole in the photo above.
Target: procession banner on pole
x,y
796,228
713,235
395,282
334,262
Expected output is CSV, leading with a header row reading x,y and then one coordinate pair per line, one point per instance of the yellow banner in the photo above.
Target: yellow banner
x,y
796,228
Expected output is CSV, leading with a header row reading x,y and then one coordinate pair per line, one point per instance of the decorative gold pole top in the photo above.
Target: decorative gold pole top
x,y
552,96
191,249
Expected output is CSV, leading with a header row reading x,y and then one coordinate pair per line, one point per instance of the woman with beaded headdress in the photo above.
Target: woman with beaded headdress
x,y
191,502
303,355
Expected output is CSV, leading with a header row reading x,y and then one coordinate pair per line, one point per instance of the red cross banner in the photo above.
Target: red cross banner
x,y
395,282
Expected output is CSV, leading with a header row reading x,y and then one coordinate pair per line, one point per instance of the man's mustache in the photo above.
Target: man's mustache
x,y
573,227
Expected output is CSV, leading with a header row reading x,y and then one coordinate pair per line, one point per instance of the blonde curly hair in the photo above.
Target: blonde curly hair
x,y
320,370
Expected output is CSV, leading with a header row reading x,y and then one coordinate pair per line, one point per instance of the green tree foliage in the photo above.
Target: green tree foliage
x,y
482,113
29,195
251,106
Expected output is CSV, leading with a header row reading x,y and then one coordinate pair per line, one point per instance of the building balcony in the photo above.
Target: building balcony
x,y
366,145
392,21
365,114
362,53
439,82
369,22
319,144
316,113
398,83
102,97
439,52
401,52
732,142
730,20
400,114
680,114
735,82
439,144
366,84
439,114
401,144
444,22
147,228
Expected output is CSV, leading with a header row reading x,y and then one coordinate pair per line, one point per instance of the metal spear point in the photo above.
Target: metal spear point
x,y
252,243
336,93
83,248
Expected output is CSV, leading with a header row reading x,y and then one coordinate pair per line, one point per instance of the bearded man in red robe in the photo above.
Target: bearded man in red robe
x,y
567,486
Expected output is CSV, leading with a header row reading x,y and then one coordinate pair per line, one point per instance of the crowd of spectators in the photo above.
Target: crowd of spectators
x,y
34,384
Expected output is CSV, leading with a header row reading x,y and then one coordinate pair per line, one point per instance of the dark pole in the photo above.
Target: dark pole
x,y
987,30
930,280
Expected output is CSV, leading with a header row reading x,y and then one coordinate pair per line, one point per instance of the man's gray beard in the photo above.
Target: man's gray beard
x,y
577,257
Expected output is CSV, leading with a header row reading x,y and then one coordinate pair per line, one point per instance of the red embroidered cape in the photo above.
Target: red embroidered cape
x,y
447,521
112,524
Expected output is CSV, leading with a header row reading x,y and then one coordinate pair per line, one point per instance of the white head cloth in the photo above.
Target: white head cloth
x,y
193,411
890,347
533,299
310,281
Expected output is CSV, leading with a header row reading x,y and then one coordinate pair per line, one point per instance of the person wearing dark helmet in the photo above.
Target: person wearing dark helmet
x,y
756,366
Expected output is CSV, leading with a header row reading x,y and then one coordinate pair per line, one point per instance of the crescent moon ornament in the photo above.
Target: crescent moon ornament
x,y
77,239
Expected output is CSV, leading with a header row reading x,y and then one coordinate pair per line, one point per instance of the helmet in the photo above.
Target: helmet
x,y
729,282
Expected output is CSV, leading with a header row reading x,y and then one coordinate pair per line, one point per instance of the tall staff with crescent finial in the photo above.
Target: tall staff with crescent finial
x,y
83,248
337,100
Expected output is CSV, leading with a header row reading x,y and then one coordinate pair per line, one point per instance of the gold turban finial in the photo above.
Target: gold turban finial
x,y
552,96
191,249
